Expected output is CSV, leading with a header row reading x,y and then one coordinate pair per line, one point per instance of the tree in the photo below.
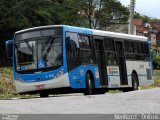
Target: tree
x,y
19,14
113,12
145,18
102,13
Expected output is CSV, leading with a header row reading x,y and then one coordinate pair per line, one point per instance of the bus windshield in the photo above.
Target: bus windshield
x,y
38,53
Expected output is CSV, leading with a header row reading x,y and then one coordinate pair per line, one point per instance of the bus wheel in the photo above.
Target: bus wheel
x,y
134,82
89,85
44,94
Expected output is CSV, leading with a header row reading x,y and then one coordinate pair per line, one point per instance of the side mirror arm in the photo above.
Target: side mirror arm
x,y
9,48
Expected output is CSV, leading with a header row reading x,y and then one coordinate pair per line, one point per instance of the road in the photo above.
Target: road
x,y
138,102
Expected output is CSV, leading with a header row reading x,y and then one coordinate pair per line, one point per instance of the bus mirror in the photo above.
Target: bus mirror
x,y
71,43
68,40
9,48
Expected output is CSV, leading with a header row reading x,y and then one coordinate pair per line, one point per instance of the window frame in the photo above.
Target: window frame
x,y
89,41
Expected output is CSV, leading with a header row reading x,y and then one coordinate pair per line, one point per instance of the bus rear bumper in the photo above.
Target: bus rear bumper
x,y
60,82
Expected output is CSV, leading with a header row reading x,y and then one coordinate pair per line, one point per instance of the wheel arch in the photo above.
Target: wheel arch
x,y
134,72
92,76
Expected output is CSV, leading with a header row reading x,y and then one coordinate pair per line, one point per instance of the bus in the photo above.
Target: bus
x,y
55,57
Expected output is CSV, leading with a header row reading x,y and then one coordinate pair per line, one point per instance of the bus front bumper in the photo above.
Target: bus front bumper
x,y
60,82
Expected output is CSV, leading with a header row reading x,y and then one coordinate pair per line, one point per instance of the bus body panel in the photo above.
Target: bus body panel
x,y
113,77
140,68
60,82
77,76
39,76
57,78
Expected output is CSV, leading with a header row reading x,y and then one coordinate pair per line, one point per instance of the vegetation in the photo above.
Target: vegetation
x,y
114,91
20,14
7,86
156,80
155,60
145,18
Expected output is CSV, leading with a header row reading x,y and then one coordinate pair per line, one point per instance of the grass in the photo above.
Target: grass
x,y
7,86
156,81
10,96
114,91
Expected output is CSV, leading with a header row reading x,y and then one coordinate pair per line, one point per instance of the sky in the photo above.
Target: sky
x,y
150,8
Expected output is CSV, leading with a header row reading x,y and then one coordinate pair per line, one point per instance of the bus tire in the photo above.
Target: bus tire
x,y
134,81
44,94
89,85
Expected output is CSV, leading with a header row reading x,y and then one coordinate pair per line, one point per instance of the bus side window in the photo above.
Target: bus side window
x,y
139,51
109,44
110,52
146,51
129,50
138,47
86,51
72,48
84,42
129,47
145,48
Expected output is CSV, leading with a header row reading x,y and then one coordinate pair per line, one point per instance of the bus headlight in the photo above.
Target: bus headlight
x,y
59,73
19,79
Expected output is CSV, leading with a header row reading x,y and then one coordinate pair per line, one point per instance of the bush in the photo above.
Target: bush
x,y
7,71
155,60
156,63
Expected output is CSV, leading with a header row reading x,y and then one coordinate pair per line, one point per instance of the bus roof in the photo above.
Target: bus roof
x,y
120,35
90,31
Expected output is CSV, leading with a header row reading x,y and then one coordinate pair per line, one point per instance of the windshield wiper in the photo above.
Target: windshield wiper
x,y
28,45
46,48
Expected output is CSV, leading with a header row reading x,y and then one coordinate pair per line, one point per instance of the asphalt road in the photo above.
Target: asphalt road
x,y
137,102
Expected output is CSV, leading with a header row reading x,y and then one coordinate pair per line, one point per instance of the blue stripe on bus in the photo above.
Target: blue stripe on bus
x,y
78,30
127,75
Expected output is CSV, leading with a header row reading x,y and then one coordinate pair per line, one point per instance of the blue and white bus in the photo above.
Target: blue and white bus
x,y
48,58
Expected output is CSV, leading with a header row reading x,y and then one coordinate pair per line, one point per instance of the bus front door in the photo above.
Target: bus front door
x,y
100,57
121,62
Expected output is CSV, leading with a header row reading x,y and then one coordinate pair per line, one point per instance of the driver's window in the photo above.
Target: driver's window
x,y
72,48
